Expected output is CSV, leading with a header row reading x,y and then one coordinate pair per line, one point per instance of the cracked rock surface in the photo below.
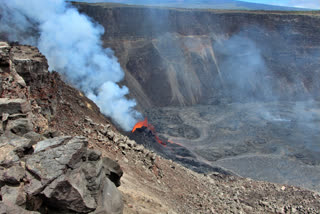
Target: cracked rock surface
x,y
46,172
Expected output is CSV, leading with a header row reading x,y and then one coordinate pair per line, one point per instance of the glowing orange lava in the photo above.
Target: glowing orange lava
x,y
140,124
145,123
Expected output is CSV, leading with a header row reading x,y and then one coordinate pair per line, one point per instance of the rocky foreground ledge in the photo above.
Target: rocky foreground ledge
x,y
47,167
58,174
41,172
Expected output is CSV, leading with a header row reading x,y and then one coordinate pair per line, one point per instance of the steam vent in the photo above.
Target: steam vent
x,y
159,107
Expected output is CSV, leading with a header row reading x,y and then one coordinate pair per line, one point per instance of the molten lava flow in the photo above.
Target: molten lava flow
x,y
160,141
145,123
140,124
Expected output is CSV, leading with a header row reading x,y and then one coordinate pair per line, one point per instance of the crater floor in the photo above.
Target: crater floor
x,y
272,141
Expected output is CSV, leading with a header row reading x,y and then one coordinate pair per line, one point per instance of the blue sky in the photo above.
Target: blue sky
x,y
312,4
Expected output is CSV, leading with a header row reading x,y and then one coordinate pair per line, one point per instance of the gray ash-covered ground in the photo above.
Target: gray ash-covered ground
x,y
273,141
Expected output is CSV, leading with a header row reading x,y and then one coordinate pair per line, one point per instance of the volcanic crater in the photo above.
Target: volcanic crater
x,y
229,91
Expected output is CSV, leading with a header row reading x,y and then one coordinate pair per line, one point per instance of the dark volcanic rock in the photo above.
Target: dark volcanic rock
x,y
8,208
8,156
51,143
173,151
114,171
20,126
14,106
110,201
34,137
146,138
50,164
20,145
63,175
31,65
55,175
94,155
14,195
70,192
86,188
12,175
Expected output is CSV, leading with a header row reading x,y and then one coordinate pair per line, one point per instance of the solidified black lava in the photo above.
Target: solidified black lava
x,y
173,151
273,141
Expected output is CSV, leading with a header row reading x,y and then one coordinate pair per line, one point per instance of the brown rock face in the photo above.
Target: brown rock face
x,y
44,171
177,56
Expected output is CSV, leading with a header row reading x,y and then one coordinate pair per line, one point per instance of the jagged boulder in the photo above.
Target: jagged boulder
x,y
67,176
51,143
47,172
85,189
9,208
19,126
12,175
1,128
4,55
48,164
114,171
34,137
14,106
12,148
7,156
70,192
59,174
13,194
110,201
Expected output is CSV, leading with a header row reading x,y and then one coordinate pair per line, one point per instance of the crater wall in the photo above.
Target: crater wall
x,y
176,57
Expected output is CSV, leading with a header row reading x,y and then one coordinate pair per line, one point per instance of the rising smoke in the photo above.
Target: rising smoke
x,y
249,77
71,42
244,70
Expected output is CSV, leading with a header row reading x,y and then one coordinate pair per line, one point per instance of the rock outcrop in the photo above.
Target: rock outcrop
x,y
43,172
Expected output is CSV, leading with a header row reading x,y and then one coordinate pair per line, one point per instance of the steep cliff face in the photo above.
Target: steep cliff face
x,y
185,57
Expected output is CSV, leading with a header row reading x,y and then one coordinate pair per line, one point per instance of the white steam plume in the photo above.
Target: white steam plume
x,y
71,42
